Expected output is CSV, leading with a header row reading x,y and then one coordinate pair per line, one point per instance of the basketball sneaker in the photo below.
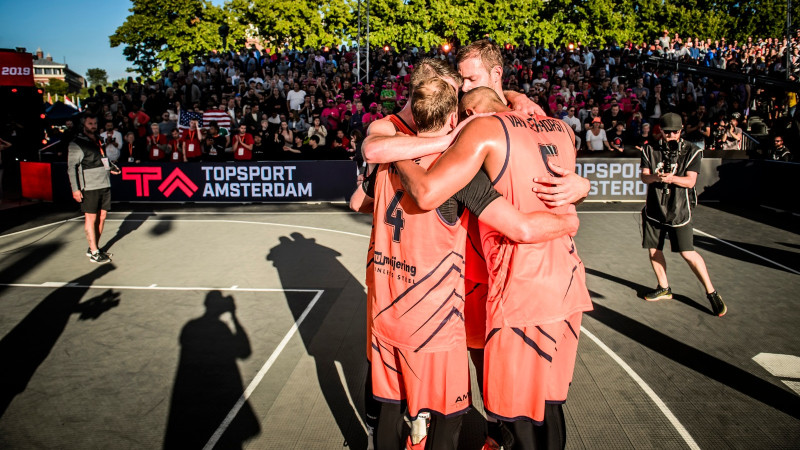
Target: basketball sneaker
x,y
658,294
717,305
99,258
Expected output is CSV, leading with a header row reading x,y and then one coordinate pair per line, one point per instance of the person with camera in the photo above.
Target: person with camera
x,y
733,134
669,168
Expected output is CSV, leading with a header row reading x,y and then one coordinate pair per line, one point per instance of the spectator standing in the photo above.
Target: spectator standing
x,y
157,146
191,142
318,129
112,141
243,145
596,137
176,152
214,143
371,116
88,169
575,124
295,98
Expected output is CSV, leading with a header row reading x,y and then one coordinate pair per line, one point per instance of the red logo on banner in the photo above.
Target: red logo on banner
x,y
144,175
177,179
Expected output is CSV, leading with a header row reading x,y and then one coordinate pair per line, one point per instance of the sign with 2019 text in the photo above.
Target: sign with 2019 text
x,y
275,181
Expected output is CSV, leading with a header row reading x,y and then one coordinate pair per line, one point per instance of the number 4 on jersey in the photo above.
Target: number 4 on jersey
x,y
394,216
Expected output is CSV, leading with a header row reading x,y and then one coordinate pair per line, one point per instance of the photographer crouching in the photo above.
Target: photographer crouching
x,y
669,168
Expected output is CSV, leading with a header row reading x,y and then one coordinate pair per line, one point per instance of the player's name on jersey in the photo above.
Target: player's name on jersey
x,y
538,125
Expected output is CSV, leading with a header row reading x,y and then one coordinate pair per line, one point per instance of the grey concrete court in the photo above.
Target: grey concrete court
x,y
244,327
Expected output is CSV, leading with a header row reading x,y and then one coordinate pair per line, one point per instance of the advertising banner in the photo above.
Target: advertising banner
x,y
271,181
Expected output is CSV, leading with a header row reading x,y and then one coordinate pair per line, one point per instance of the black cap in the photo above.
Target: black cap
x,y
671,122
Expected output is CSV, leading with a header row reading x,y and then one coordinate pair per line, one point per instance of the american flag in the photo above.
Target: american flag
x,y
221,117
187,116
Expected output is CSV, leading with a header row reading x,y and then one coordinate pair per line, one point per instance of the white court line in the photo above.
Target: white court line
x,y
41,226
152,287
703,233
647,389
349,397
257,379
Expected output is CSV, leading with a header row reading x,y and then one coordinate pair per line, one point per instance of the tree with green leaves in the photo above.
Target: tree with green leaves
x,y
171,31
96,77
55,86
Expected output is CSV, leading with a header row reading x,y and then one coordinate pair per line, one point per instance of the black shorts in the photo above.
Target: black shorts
x,y
95,200
680,238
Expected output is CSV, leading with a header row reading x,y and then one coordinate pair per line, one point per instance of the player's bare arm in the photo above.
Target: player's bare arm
x,y
457,166
528,228
384,144
520,102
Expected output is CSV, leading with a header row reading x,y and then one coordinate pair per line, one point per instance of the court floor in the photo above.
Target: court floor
x,y
243,327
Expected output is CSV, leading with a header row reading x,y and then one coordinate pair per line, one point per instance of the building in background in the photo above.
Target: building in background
x,y
44,68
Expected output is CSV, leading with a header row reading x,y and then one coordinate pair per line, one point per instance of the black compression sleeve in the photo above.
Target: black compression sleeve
x,y
369,183
478,194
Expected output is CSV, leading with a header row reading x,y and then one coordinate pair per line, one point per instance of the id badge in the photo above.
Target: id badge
x,y
175,156
130,160
155,153
106,163
190,148
241,152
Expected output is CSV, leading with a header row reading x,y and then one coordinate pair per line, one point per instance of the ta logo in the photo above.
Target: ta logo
x,y
142,176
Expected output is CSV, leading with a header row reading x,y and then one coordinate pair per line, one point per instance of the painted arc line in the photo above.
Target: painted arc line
x,y
703,233
260,375
153,287
781,366
247,222
343,380
41,226
647,389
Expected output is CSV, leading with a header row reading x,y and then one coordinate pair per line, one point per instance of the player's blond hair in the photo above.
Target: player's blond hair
x,y
428,68
432,102
486,50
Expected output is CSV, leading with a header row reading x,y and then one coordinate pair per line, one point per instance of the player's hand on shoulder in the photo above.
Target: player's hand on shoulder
x,y
561,190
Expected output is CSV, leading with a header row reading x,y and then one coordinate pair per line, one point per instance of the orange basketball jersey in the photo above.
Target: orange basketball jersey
x,y
532,284
401,127
418,263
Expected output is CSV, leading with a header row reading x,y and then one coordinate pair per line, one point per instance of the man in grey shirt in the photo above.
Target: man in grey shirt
x,y
88,168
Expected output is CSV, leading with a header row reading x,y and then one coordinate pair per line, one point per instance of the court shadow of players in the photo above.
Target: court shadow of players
x,y
784,257
17,268
334,330
163,226
641,290
29,343
130,224
208,383
699,361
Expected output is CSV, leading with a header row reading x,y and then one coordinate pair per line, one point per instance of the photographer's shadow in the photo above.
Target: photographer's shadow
x,y
208,382
334,330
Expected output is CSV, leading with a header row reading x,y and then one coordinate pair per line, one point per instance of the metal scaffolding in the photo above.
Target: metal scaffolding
x,y
363,42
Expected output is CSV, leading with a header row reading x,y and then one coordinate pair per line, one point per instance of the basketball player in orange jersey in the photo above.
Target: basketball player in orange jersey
x,y
537,293
418,339
400,124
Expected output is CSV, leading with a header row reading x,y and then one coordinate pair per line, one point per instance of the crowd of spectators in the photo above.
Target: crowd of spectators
x,y
309,104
